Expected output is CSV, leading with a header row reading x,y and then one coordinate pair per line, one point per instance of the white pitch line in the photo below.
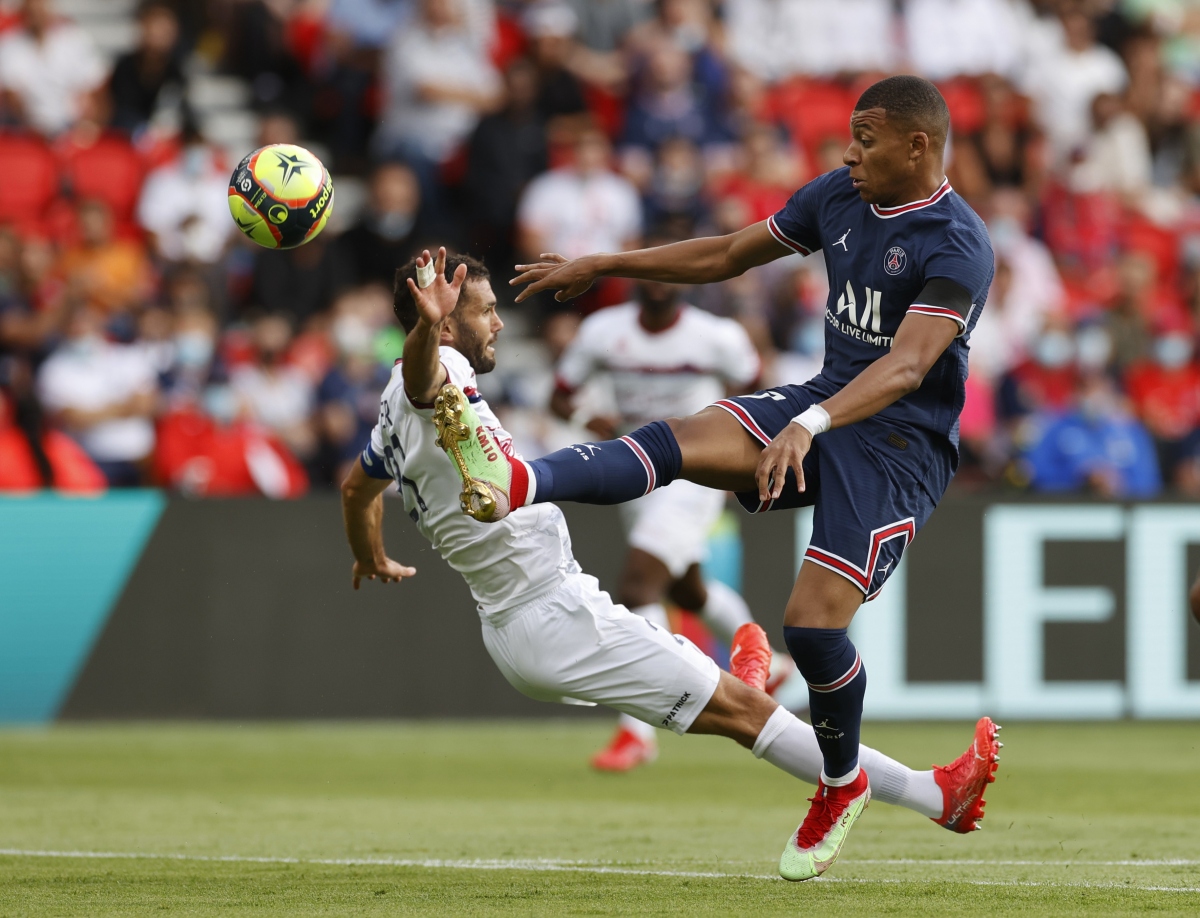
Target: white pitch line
x,y
561,866
1137,862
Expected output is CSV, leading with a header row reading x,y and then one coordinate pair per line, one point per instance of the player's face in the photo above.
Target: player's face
x,y
476,325
881,158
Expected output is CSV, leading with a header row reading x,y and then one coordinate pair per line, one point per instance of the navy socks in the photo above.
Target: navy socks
x,y
837,683
609,472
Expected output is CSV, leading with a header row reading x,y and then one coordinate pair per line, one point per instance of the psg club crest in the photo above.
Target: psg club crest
x,y
895,260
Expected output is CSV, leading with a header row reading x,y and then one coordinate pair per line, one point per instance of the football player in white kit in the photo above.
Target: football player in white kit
x,y
553,633
665,358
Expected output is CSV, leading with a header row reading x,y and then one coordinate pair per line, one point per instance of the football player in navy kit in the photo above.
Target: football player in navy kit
x,y
871,441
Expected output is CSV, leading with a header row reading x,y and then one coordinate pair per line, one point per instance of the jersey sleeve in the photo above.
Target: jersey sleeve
x,y
964,259
740,365
796,225
371,459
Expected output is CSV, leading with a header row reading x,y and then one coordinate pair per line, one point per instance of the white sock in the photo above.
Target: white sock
x,y
892,782
789,744
724,612
656,614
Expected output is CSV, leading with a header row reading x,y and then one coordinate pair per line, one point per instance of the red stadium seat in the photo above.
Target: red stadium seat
x,y
968,109
109,170
814,111
30,181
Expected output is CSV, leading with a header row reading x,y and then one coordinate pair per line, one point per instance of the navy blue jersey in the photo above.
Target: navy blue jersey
x,y
878,260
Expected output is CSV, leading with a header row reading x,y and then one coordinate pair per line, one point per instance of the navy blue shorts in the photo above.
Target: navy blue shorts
x,y
874,483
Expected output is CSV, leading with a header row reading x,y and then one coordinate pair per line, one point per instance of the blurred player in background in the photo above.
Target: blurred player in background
x,y
549,628
666,358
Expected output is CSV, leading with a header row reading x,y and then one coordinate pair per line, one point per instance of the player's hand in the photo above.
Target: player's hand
x,y
603,426
386,571
786,451
438,300
554,272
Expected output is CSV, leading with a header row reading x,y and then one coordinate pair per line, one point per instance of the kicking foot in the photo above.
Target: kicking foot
x,y
814,846
485,469
750,656
965,779
626,752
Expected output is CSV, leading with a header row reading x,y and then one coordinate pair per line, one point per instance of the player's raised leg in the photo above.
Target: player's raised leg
x,y
709,448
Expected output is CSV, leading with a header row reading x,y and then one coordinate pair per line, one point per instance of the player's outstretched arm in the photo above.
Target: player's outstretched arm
x,y
919,342
694,261
422,369
362,512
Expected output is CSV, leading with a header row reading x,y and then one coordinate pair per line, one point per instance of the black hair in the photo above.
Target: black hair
x,y
910,101
403,305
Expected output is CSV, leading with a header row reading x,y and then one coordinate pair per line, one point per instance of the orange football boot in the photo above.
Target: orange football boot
x,y
750,656
626,752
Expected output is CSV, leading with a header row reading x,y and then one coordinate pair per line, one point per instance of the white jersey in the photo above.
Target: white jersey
x,y
526,554
660,374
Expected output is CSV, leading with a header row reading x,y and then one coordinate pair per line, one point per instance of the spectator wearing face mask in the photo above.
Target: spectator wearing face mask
x,y
348,396
506,152
151,75
184,206
1096,446
437,82
113,275
275,395
1165,391
390,231
47,66
193,350
32,454
1046,380
105,395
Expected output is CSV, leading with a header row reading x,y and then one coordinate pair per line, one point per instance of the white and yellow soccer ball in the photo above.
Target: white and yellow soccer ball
x,y
281,196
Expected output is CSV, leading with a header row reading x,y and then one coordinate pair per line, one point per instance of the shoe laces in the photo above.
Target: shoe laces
x,y
961,768
815,827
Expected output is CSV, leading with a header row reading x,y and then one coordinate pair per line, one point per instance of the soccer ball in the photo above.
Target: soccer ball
x,y
280,196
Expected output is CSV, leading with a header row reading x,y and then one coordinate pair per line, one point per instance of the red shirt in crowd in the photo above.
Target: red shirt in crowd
x,y
1167,400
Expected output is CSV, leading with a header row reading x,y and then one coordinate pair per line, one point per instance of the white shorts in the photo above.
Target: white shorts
x,y
673,523
575,644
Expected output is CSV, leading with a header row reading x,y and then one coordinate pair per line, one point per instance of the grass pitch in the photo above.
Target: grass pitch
x,y
495,819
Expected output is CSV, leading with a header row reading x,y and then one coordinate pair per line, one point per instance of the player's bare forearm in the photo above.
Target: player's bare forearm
x,y
693,261
362,515
422,370
919,342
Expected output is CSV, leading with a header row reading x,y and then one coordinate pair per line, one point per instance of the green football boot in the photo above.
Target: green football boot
x,y
814,846
487,472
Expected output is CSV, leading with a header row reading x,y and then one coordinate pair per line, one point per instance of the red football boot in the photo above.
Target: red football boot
x,y
626,752
750,656
965,779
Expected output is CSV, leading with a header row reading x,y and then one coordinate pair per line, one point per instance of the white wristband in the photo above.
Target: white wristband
x,y
814,419
425,275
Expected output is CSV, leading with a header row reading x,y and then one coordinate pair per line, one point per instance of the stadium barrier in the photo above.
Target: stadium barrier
x,y
136,605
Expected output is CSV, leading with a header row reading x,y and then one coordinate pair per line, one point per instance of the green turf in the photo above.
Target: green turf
x,y
1068,797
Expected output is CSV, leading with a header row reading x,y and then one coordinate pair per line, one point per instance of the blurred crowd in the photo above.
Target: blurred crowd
x,y
143,341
